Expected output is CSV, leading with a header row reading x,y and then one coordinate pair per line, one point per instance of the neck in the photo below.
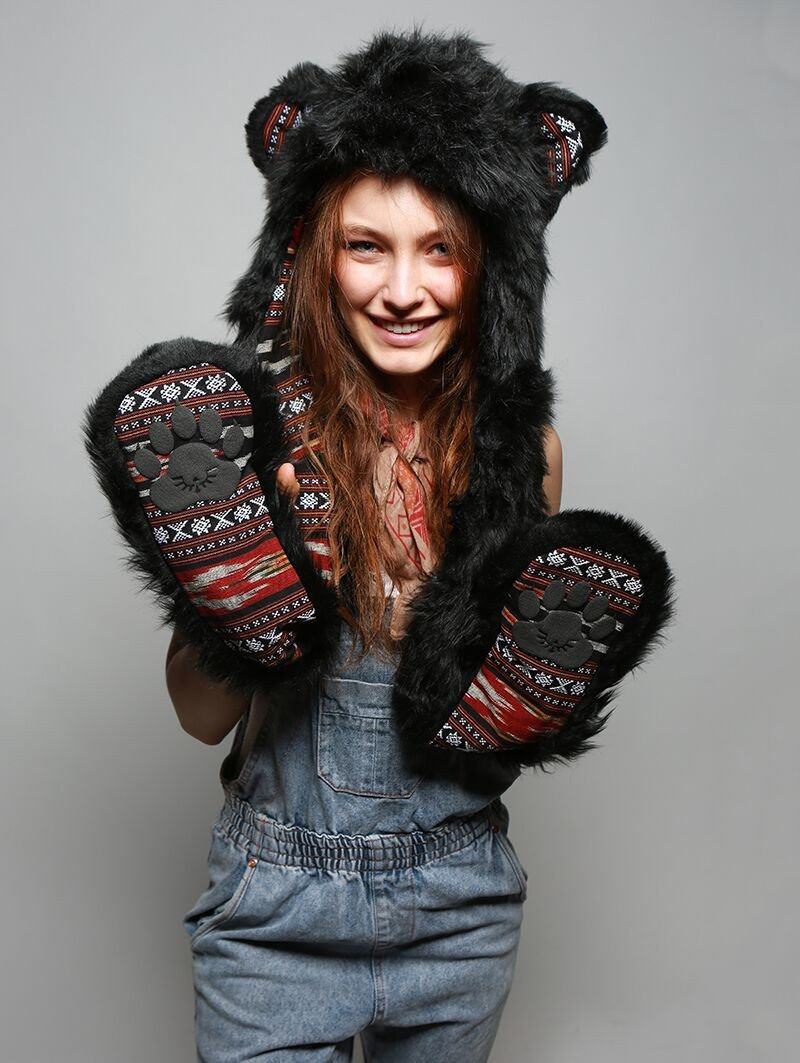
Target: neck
x,y
405,392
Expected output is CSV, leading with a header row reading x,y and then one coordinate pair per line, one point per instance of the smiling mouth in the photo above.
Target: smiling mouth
x,y
403,328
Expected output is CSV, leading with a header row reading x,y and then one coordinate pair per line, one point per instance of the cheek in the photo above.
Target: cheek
x,y
355,284
444,287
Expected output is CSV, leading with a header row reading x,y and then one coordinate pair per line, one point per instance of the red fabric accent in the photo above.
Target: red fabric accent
x,y
225,553
514,697
401,494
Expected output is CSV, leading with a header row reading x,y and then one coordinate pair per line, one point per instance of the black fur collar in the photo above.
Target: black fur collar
x,y
433,106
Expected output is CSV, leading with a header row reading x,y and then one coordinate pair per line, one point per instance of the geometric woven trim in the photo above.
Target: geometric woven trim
x,y
565,149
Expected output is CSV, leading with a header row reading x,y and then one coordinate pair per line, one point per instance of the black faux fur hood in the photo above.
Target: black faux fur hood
x,y
431,106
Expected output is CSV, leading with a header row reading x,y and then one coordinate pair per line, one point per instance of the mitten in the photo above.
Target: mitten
x,y
294,394
586,608
176,440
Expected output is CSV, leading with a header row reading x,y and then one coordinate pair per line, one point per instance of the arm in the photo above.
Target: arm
x,y
553,477
173,439
207,710
589,606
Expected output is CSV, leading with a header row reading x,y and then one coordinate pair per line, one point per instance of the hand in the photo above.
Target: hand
x,y
192,462
287,481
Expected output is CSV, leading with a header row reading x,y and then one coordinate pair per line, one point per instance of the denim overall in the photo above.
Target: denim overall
x,y
351,891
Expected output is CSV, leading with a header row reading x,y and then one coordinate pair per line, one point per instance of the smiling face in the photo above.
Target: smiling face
x,y
397,284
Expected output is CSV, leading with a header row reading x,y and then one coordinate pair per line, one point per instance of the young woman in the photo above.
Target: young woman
x,y
411,274
419,950
351,516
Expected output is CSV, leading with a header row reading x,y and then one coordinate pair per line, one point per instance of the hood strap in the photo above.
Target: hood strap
x,y
272,320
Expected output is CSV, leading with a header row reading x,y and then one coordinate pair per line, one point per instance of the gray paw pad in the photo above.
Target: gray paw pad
x,y
193,473
553,626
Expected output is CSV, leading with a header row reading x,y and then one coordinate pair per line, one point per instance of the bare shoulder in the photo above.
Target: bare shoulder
x,y
554,459
553,450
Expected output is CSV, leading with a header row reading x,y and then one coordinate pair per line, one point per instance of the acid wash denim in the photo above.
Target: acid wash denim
x,y
354,890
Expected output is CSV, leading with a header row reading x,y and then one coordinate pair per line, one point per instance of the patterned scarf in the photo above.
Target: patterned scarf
x,y
402,496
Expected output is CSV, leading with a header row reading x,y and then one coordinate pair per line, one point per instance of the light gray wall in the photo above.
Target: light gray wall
x,y
661,922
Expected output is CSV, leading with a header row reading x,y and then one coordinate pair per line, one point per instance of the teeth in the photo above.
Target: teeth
x,y
402,329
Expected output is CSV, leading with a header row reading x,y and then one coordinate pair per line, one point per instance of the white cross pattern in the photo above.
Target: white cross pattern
x,y
178,532
146,395
193,388
561,685
222,520
613,578
578,564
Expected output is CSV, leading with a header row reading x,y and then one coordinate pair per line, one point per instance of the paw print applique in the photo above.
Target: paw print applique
x,y
193,471
553,628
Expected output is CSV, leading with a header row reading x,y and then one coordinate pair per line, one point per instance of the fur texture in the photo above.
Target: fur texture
x,y
430,105
606,531
144,555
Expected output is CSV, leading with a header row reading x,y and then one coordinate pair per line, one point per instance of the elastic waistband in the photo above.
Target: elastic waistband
x,y
283,843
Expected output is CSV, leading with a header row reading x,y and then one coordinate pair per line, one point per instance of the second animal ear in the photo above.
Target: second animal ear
x,y
282,110
566,131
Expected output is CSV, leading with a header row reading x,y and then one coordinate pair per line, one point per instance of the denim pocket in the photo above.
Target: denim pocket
x,y
358,747
510,853
231,871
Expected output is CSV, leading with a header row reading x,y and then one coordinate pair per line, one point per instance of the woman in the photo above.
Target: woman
x,y
329,773
402,279
358,540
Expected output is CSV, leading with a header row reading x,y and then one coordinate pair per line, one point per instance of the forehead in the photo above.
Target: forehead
x,y
399,207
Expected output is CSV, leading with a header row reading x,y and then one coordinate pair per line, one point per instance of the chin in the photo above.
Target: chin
x,y
402,363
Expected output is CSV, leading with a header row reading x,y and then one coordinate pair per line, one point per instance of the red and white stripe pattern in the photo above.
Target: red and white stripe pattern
x,y
272,319
224,553
283,117
295,395
565,148
515,697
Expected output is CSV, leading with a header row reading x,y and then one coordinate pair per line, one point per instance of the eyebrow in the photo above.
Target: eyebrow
x,y
357,229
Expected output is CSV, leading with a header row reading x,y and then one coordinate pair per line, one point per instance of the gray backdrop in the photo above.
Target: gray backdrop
x,y
661,922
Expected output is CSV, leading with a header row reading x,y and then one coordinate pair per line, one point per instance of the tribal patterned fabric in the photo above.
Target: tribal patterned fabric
x,y
561,619
566,146
283,117
187,436
272,319
294,391
295,394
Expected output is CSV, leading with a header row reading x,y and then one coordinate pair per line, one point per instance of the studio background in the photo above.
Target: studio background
x,y
663,870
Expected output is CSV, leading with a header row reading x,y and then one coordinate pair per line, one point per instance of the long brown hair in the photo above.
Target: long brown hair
x,y
347,396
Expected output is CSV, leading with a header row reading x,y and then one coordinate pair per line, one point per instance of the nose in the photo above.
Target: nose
x,y
403,289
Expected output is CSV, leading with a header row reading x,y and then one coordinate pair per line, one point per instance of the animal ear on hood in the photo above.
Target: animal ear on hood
x,y
567,130
274,116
